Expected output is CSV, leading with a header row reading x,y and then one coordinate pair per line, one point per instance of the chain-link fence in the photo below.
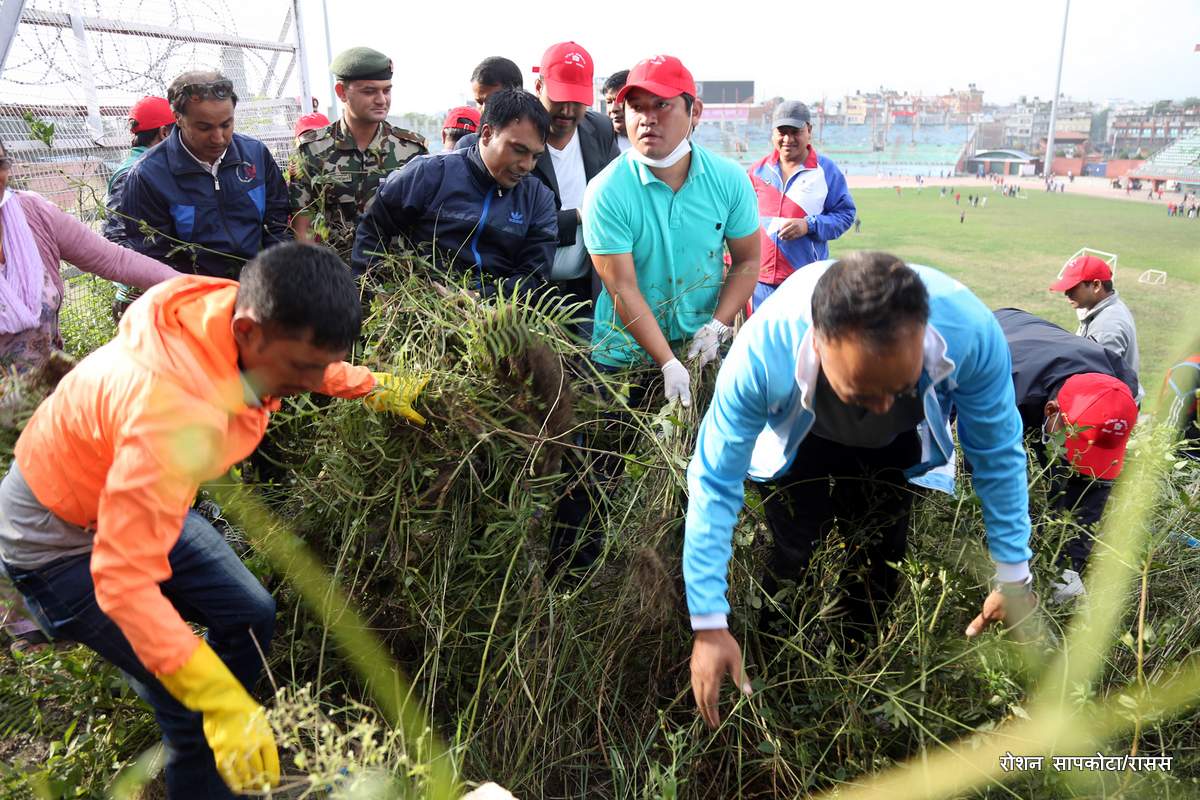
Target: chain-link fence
x,y
70,70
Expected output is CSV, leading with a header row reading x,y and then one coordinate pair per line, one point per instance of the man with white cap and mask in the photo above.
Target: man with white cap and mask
x,y
656,222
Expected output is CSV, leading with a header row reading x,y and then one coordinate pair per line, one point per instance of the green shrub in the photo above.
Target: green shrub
x,y
438,535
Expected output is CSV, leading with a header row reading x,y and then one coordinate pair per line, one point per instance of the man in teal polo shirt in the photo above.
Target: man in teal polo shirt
x,y
656,222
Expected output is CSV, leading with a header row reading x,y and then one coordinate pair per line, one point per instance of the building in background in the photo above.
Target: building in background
x,y
1141,131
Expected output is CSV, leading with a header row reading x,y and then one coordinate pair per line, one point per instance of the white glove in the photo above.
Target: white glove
x,y
678,382
707,341
1069,587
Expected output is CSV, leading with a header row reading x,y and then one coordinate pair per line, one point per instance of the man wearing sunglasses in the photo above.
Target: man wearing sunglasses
x,y
836,395
1078,395
207,199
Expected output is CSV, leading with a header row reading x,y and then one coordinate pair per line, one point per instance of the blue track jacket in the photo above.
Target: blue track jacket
x,y
501,237
233,218
762,410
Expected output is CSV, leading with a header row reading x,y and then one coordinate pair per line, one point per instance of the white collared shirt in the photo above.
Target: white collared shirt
x,y
213,168
571,261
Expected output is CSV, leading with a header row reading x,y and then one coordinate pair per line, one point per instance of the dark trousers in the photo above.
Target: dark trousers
x,y
1084,499
577,537
864,493
209,586
579,290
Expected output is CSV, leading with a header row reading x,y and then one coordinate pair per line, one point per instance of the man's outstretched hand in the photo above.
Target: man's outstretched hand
x,y
1012,610
395,394
715,654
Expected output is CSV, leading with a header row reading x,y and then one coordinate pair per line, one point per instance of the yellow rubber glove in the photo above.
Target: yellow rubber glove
x,y
395,394
234,724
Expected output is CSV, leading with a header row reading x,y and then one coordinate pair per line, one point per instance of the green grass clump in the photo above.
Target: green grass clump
x,y
438,534
86,317
433,541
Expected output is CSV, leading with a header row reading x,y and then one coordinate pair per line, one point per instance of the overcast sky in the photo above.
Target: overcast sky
x,y
1116,49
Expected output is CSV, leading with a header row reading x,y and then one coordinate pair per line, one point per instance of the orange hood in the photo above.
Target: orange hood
x,y
182,331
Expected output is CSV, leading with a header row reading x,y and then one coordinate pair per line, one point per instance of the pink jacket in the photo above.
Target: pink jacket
x,y
61,237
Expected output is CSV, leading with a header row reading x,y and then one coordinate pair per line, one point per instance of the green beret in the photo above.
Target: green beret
x,y
361,64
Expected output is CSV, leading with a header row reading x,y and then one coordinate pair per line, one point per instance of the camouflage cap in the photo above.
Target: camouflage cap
x,y
361,64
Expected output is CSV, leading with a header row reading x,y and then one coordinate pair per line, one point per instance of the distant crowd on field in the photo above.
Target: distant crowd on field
x,y
841,383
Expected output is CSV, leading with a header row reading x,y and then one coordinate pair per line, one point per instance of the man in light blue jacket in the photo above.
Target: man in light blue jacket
x,y
850,371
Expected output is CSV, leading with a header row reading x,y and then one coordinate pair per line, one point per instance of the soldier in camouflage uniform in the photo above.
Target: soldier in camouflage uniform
x,y
336,170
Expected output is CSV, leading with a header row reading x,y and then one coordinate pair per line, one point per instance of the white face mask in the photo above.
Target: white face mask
x,y
670,159
1082,313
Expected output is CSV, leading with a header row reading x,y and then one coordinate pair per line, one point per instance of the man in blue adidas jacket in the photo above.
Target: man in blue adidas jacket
x,y
474,206
849,371
206,200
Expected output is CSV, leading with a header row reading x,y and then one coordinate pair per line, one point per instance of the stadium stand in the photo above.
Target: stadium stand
x,y
1175,162
925,150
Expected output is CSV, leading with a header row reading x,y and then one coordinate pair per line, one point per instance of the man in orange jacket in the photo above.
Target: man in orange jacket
x,y
95,527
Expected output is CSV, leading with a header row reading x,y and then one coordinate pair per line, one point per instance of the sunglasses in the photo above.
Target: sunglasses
x,y
217,90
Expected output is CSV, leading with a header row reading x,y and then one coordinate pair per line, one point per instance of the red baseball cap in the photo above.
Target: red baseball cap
x,y
567,73
665,76
464,118
1084,268
310,122
1104,408
150,113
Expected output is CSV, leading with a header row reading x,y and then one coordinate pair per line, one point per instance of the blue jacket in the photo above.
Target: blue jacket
x,y
114,223
818,193
762,410
230,220
499,237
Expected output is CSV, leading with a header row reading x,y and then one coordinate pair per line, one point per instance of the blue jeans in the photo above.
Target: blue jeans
x,y
209,586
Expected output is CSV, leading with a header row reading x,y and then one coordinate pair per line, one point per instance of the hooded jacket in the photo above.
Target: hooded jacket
x,y
501,237
1110,323
127,437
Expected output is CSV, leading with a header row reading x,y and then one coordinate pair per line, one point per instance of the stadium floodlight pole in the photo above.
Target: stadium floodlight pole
x,y
1048,166
333,101
306,92
10,17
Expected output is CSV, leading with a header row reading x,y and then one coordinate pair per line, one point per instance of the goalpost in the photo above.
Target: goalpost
x,y
1108,258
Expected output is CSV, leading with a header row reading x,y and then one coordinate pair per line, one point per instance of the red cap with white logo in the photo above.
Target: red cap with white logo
x,y
1101,410
567,73
665,76
1084,268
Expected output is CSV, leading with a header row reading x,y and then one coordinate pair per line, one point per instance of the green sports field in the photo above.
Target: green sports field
x,y
1010,251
